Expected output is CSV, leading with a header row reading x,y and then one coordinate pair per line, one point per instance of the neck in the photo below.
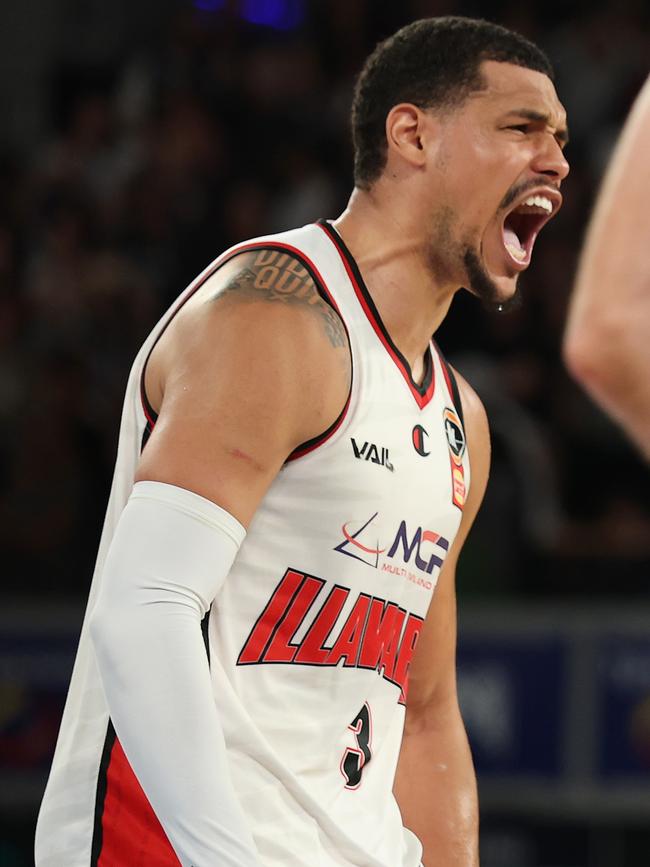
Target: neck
x,y
391,251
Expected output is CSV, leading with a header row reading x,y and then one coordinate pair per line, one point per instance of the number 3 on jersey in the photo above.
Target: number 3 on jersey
x,y
356,758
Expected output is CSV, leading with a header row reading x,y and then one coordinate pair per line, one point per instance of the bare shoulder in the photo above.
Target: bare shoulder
x,y
254,364
277,278
283,326
260,312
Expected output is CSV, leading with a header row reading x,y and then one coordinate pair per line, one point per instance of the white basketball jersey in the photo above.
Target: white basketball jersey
x,y
312,634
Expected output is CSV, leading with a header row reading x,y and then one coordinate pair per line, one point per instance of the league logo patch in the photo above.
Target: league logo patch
x,y
456,443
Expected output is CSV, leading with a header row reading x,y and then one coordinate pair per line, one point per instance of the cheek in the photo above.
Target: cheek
x,y
494,171
486,181
475,178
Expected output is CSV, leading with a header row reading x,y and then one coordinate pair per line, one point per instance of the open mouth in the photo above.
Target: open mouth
x,y
523,223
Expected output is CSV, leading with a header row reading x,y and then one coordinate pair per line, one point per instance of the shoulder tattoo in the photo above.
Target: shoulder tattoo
x,y
279,278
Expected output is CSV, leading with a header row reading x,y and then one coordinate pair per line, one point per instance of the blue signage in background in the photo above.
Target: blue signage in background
x,y
34,675
512,695
523,715
623,707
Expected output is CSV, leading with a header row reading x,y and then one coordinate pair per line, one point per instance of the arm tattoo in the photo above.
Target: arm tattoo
x,y
271,275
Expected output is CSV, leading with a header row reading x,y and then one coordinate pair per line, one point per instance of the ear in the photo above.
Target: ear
x,y
407,127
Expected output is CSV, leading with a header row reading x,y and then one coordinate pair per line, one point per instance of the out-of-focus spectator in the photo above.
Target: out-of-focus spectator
x,y
195,125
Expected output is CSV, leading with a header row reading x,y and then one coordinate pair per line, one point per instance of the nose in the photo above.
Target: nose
x,y
550,160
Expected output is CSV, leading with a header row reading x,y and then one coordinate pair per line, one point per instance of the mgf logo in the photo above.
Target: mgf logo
x,y
370,452
362,543
414,546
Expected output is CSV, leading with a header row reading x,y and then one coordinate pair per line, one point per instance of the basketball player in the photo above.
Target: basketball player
x,y
298,468
607,343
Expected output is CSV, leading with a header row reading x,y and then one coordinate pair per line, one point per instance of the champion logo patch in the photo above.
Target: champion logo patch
x,y
419,437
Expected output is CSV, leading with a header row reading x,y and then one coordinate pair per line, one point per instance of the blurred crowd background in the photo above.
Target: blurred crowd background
x,y
138,140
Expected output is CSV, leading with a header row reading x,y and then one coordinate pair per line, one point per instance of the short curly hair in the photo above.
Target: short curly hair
x,y
431,63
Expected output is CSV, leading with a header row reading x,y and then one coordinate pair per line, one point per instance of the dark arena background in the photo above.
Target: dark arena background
x,y
138,140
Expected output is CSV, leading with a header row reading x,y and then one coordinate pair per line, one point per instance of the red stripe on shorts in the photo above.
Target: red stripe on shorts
x,y
131,832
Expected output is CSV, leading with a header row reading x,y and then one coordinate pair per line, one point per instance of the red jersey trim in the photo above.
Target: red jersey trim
x,y
323,291
127,831
313,444
422,393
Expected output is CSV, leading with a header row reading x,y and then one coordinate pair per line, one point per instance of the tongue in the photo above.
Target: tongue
x,y
512,240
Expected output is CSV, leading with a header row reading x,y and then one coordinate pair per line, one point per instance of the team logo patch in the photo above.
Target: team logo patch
x,y
419,438
457,446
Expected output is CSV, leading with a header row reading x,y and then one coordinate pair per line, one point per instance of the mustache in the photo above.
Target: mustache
x,y
515,192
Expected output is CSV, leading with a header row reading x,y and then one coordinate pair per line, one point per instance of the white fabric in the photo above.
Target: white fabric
x,y
353,525
170,554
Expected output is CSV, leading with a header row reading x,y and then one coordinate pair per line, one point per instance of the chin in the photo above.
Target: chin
x,y
507,290
509,300
496,293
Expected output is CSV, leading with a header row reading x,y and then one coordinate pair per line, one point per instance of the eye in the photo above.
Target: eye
x,y
520,127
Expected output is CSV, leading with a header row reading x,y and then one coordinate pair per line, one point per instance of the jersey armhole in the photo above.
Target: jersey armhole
x,y
314,442
455,393
452,385
308,446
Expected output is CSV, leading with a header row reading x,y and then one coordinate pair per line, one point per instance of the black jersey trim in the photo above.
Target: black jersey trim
x,y
455,392
100,796
314,442
205,632
452,383
423,392
321,287
146,433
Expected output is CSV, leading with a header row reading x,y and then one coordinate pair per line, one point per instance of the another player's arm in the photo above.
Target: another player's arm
x,y
607,342
435,783
256,365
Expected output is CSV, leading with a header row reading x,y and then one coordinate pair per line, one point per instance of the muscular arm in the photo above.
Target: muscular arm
x,y
253,366
258,364
435,784
607,342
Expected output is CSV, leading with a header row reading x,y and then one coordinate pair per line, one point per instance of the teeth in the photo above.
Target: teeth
x,y
516,252
540,202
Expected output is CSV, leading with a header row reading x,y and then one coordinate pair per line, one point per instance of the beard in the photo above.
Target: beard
x,y
485,289
447,254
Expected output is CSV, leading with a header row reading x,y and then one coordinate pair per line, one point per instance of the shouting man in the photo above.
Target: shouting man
x,y
298,469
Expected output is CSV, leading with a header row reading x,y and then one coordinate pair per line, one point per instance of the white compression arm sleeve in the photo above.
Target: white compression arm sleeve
x,y
171,552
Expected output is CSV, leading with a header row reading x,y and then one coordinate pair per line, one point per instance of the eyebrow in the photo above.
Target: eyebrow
x,y
561,134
